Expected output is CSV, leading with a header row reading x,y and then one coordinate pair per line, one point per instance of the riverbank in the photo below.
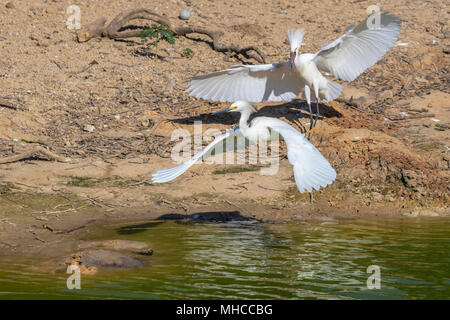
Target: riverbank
x,y
83,126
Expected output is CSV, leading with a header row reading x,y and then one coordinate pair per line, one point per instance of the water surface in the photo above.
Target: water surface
x,y
245,260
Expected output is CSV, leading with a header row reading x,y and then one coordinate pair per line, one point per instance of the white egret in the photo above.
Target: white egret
x,y
311,169
346,58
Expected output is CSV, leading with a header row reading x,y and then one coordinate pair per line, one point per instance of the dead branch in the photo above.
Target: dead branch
x,y
115,30
38,152
412,116
92,30
9,105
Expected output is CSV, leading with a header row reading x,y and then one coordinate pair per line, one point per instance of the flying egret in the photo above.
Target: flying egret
x,y
346,58
311,169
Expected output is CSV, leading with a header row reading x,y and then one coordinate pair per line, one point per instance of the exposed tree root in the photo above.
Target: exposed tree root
x,y
37,152
115,30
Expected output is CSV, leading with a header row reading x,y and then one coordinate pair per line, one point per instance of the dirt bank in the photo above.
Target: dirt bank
x,y
106,110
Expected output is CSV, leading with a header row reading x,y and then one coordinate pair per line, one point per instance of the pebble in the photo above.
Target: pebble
x,y
89,128
185,15
10,5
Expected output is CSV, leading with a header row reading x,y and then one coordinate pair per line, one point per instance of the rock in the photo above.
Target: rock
x,y
410,178
115,244
89,128
10,5
377,196
387,94
88,270
185,15
104,258
43,43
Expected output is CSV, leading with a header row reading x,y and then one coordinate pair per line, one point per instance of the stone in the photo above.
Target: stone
x,y
115,244
105,258
185,15
89,128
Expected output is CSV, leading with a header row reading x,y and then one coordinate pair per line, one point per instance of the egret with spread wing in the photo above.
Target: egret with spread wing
x,y
346,58
311,169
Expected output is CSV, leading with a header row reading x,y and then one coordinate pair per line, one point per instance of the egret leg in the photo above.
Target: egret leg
x,y
317,113
316,92
308,100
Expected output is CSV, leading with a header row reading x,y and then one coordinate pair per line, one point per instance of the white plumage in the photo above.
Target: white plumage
x,y
358,48
345,58
311,169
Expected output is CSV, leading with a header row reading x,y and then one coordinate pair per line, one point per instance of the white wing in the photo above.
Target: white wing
x,y
267,82
311,169
172,173
359,48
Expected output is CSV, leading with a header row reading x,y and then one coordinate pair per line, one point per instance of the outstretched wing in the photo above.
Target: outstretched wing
x,y
311,169
359,48
166,175
267,82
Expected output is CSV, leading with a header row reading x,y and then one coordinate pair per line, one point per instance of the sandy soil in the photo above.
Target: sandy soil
x,y
110,107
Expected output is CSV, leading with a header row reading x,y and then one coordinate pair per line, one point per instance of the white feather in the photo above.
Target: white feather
x,y
311,169
167,175
267,82
296,38
358,49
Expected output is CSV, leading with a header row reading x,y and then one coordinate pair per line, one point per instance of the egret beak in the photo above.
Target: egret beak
x,y
221,111
293,54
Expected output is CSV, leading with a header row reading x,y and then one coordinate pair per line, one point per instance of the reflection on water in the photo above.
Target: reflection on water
x,y
245,260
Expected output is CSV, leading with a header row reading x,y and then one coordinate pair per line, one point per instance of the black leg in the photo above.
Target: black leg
x,y
311,121
317,113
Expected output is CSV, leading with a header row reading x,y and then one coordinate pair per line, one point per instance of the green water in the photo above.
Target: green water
x,y
324,260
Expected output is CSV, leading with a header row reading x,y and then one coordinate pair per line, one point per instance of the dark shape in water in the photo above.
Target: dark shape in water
x,y
147,252
217,216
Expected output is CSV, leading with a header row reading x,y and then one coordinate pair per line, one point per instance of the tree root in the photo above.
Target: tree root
x,y
38,152
115,30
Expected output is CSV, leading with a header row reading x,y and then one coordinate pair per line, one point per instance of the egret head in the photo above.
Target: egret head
x,y
295,41
239,106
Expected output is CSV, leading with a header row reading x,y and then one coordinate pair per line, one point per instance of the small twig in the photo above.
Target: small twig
x,y
38,152
351,104
413,116
268,188
84,68
57,64
76,228
7,104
